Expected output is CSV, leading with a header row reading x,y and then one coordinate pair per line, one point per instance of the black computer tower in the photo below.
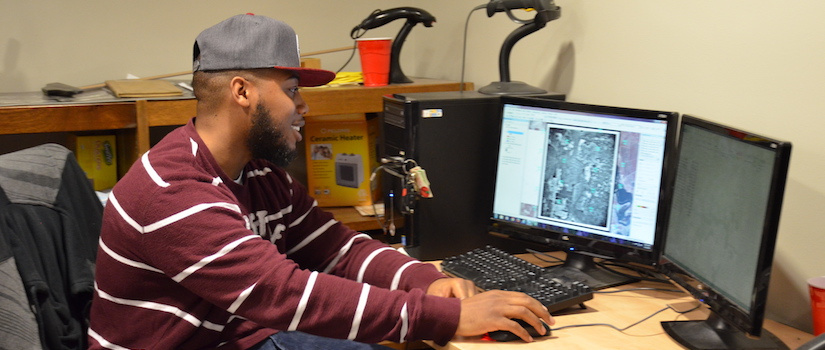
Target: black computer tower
x,y
454,137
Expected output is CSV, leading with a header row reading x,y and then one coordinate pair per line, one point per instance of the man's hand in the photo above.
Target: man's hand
x,y
452,288
494,310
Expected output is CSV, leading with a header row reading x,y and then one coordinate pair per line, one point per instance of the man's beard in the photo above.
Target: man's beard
x,y
266,141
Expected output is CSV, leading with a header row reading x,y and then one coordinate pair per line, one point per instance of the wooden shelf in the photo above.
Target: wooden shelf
x,y
66,118
321,100
131,120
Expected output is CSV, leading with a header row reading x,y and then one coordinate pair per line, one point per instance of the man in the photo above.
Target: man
x,y
208,243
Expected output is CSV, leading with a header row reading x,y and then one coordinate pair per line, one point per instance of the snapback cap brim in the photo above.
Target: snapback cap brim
x,y
308,77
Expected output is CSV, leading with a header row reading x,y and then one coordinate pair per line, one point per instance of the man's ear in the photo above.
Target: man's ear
x,y
240,89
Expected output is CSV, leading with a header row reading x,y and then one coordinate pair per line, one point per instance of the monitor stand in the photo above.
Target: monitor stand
x,y
581,267
715,333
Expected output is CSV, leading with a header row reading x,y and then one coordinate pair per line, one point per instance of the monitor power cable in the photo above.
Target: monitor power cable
x,y
623,329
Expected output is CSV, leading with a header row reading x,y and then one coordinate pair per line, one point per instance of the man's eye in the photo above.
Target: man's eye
x,y
292,91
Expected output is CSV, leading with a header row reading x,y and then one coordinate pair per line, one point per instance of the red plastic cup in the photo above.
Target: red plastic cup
x,y
816,286
375,60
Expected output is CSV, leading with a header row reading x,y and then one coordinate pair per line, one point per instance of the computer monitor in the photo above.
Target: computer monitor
x,y
585,178
721,231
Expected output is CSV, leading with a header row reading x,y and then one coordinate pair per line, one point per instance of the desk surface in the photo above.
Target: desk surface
x,y
621,309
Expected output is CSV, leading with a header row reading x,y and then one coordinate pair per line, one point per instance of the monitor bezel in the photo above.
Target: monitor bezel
x,y
746,321
559,240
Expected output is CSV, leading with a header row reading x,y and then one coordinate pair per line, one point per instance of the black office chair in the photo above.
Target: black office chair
x,y
50,221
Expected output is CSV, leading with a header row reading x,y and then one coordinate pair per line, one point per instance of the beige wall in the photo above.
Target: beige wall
x,y
758,65
86,42
752,64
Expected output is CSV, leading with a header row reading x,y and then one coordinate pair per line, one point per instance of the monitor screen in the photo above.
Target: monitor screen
x,y
719,242
586,178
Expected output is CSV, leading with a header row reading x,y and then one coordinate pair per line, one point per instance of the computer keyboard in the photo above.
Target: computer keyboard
x,y
492,268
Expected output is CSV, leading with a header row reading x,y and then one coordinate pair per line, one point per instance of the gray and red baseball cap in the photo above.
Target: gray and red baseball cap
x,y
250,41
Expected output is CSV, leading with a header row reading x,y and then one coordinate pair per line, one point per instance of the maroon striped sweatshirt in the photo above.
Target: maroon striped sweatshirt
x,y
190,259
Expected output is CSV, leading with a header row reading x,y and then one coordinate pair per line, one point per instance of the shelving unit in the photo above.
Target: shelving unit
x,y
133,119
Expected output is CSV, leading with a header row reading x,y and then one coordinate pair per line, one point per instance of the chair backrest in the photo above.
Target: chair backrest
x,y
51,217
19,327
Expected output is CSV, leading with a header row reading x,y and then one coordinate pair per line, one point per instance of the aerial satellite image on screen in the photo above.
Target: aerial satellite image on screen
x,y
581,184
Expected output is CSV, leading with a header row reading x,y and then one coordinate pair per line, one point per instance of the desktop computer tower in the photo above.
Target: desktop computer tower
x,y
454,137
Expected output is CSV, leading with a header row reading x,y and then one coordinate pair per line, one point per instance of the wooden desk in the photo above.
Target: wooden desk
x,y
132,120
621,310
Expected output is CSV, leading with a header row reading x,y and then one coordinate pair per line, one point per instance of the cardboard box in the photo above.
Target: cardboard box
x,y
341,156
97,155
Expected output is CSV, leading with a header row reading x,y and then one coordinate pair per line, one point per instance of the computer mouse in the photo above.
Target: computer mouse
x,y
510,336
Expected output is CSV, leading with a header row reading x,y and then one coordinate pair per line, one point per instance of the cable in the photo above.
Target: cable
x,y
634,323
698,305
374,210
641,272
464,45
351,55
356,33
635,289
397,166
612,326
538,255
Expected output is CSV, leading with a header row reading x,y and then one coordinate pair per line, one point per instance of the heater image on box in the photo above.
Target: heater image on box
x,y
349,170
